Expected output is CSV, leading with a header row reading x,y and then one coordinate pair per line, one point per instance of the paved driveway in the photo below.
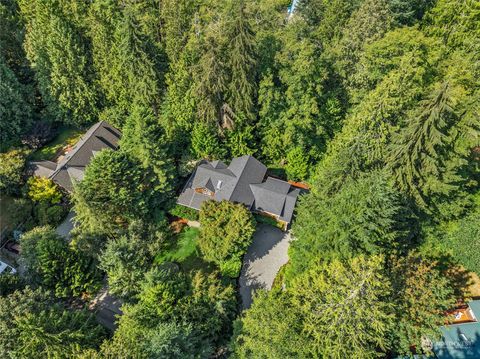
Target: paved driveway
x,y
265,256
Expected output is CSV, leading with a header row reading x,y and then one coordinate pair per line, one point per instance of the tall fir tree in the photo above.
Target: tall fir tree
x,y
419,152
241,61
59,51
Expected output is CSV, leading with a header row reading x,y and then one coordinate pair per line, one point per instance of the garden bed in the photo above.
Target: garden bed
x,y
65,140
269,220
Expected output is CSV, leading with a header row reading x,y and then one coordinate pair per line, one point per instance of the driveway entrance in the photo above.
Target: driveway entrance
x,y
265,256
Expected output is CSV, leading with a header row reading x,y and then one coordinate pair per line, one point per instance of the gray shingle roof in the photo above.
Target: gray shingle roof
x,y
43,168
241,182
100,136
275,196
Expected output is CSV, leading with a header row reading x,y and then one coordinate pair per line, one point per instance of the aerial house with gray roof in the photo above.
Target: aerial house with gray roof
x,y
244,181
71,166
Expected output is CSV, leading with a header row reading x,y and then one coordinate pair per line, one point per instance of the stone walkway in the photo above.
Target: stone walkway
x,y
66,226
107,308
265,256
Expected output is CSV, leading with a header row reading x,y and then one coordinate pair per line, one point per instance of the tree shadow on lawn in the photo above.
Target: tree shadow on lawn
x,y
185,252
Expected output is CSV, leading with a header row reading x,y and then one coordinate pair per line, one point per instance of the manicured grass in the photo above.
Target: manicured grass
x,y
7,219
67,136
184,251
184,246
13,212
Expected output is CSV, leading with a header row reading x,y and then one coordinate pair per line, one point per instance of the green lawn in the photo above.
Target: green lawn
x,y
184,251
13,211
67,136
185,245
6,215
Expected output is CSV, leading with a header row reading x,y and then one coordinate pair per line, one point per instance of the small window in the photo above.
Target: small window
x,y
219,184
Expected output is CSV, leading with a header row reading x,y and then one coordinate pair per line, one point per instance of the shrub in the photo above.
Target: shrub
x,y
184,212
268,220
11,170
42,189
49,215
231,268
225,234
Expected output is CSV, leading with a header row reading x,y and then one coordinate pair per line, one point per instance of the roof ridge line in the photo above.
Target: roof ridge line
x,y
92,130
239,177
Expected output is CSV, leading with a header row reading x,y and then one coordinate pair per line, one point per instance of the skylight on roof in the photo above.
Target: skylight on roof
x,y
219,184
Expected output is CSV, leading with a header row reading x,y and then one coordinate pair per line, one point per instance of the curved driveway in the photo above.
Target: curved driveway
x,y
267,253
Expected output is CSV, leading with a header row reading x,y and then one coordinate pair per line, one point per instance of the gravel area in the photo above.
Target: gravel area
x,y
265,256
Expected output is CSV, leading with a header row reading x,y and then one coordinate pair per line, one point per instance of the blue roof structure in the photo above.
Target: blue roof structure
x,y
460,341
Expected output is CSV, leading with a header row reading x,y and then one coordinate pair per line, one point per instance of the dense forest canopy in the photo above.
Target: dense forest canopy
x,y
374,103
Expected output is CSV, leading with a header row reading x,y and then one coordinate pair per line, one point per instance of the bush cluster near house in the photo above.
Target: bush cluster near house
x,y
226,232
268,220
46,196
184,212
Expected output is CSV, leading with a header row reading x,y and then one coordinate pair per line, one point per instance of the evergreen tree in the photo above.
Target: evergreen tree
x,y
242,61
12,165
145,138
365,216
407,12
366,25
418,153
206,142
16,113
115,191
334,310
271,328
59,53
463,240
127,56
422,292
225,234
34,325
175,313
210,75
50,262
